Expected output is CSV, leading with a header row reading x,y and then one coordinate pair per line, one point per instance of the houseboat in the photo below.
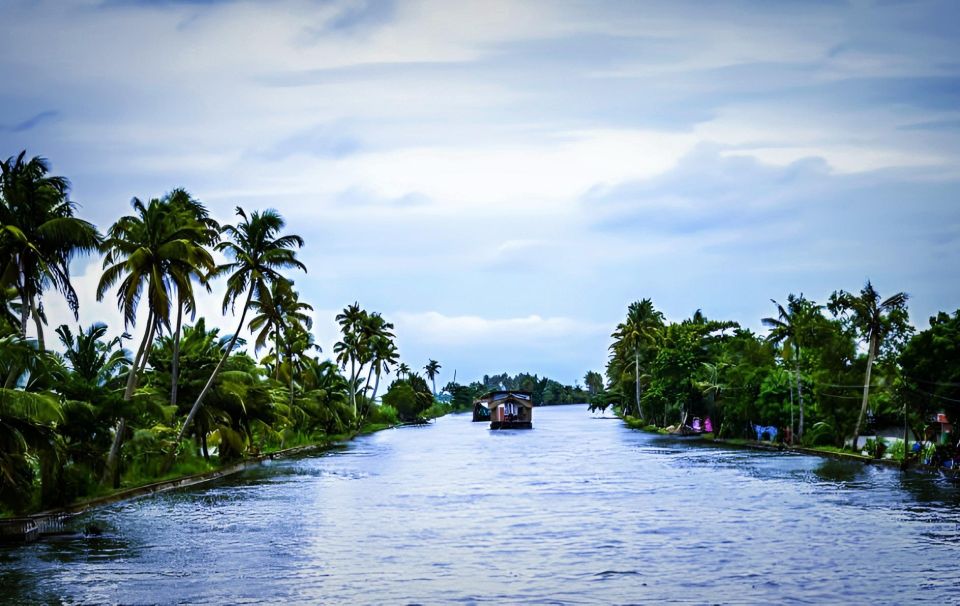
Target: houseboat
x,y
507,409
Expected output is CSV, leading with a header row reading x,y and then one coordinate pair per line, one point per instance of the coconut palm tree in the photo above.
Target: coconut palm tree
x,y
148,253
385,354
634,336
276,315
258,253
205,233
39,235
403,370
349,349
433,369
373,331
788,329
875,321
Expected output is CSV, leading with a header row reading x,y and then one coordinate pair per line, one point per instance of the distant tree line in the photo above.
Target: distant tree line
x,y
545,390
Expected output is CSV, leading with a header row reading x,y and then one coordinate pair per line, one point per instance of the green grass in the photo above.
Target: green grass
x,y
373,427
833,449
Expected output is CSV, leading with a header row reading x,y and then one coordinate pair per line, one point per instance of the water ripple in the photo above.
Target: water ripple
x,y
574,512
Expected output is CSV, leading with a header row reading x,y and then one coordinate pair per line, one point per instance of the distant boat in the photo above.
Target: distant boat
x,y
505,409
695,429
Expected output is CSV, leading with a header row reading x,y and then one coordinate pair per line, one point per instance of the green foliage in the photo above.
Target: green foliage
x,y
896,451
820,434
410,397
931,369
384,414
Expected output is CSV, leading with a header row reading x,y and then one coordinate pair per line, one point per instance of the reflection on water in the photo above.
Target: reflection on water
x,y
575,511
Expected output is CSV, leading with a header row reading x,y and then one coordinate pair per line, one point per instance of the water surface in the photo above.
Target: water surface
x,y
580,510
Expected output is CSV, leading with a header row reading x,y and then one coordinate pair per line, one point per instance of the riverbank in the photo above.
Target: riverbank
x,y
637,424
30,527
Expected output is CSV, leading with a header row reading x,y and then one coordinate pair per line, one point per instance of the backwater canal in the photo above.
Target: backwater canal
x,y
581,510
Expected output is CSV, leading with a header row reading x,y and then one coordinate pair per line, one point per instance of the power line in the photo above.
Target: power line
x,y
933,395
833,395
860,386
932,382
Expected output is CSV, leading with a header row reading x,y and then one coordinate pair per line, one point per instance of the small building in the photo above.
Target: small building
x,y
507,409
941,429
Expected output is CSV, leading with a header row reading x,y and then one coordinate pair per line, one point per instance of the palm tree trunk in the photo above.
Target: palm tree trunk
x,y
24,305
369,374
276,354
146,354
376,386
35,312
196,405
791,414
799,395
866,389
175,363
636,381
290,361
112,469
14,374
353,387
906,430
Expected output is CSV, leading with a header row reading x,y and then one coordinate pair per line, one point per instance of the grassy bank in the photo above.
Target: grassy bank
x,y
832,452
192,469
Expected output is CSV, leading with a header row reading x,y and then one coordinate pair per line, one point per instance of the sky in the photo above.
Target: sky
x,y
501,179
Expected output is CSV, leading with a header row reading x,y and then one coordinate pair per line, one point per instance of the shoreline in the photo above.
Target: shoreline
x,y
780,447
31,527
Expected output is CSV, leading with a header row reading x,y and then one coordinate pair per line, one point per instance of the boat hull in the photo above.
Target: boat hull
x,y
511,425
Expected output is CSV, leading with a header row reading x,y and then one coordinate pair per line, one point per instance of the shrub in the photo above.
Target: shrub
x,y
403,399
384,414
821,434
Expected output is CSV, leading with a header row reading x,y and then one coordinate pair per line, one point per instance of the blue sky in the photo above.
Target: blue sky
x,y
501,179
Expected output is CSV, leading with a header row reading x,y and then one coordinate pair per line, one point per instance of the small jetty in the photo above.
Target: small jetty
x,y
505,409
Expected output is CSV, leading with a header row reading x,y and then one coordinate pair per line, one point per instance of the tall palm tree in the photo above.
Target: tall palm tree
x,y
788,330
39,235
385,354
280,313
374,330
875,321
349,348
634,336
403,370
204,232
433,369
147,254
258,253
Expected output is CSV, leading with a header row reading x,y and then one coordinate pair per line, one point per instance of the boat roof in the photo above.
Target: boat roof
x,y
495,398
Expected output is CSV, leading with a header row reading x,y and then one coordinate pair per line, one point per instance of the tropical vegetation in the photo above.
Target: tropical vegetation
x,y
93,415
823,372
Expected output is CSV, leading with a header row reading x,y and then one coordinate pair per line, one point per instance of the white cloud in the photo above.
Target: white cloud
x,y
435,328
437,156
